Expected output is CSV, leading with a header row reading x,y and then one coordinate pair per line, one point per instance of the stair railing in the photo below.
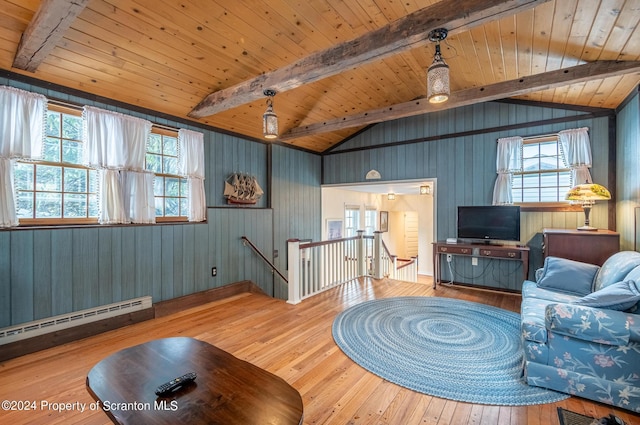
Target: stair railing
x,y
408,270
387,261
246,242
314,267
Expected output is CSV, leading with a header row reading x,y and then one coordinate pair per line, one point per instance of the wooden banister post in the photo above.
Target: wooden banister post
x,y
377,254
362,254
294,271
394,267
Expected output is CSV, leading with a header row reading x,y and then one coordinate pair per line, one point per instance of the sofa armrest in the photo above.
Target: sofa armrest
x,y
598,325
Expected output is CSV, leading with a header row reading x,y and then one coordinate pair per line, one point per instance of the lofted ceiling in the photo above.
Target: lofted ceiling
x,y
337,65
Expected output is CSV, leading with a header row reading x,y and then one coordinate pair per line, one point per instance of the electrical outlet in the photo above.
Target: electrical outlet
x,y
449,258
474,261
214,271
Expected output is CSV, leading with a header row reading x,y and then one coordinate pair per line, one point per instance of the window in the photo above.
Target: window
x,y
545,175
57,188
370,218
170,189
351,220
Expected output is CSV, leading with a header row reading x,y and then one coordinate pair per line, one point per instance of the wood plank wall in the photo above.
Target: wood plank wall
x,y
45,272
458,148
628,172
297,199
56,271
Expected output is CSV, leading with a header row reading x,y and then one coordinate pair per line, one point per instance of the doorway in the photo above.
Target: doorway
x,y
418,213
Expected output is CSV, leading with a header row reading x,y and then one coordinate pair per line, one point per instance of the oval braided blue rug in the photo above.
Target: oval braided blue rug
x,y
448,348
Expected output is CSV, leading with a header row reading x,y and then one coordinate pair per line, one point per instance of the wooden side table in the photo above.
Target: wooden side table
x,y
588,246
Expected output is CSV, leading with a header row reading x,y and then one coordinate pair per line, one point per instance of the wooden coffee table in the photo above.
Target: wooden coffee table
x,y
226,391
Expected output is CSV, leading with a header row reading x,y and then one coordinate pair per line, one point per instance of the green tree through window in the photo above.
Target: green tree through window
x,y
170,189
57,188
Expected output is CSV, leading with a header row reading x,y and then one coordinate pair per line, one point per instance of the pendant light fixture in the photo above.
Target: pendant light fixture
x,y
438,72
269,118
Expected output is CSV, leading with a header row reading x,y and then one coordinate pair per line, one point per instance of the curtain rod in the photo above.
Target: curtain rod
x,y
65,104
541,136
165,127
79,107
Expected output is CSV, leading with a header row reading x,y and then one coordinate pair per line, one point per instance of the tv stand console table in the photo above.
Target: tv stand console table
x,y
501,252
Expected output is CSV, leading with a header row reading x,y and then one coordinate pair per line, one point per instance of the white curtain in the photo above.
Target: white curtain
x,y
191,165
22,118
8,216
508,160
577,152
138,196
115,144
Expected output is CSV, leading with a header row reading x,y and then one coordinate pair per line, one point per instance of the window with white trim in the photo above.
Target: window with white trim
x,y
370,218
351,220
170,189
545,175
57,189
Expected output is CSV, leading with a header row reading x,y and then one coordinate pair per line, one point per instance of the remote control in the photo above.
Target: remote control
x,y
175,383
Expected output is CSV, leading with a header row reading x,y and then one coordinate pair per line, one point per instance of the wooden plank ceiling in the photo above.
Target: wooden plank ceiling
x,y
174,56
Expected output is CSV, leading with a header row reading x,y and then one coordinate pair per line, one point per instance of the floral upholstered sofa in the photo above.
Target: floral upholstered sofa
x,y
581,329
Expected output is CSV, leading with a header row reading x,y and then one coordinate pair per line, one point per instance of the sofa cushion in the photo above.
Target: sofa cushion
x,y
616,268
619,296
568,276
531,290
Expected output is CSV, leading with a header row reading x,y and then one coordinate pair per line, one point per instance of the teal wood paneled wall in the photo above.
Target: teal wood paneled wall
x,y
465,169
229,154
45,272
55,271
628,173
296,202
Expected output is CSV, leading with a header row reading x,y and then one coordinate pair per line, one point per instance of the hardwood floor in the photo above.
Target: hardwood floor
x,y
293,342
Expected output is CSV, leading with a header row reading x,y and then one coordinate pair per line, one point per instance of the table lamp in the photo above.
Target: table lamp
x,y
587,194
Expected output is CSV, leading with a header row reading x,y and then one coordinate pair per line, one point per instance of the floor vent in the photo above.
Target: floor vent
x,y
76,318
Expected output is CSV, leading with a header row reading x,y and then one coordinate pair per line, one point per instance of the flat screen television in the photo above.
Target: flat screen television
x,y
489,223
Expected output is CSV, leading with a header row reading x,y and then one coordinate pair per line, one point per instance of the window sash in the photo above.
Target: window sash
x,y
60,196
370,218
65,154
351,220
541,185
165,153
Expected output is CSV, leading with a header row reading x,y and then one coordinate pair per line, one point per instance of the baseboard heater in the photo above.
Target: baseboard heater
x,y
76,318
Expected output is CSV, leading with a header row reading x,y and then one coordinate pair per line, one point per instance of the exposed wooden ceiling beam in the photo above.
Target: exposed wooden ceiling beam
x,y
505,89
45,30
404,34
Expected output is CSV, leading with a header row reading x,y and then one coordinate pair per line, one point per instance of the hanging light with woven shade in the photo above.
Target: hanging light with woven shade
x,y
438,72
